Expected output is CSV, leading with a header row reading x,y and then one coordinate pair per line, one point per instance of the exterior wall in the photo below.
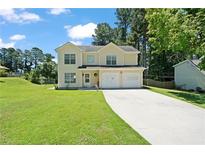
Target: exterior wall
x,y
131,59
123,58
69,68
188,76
85,54
111,50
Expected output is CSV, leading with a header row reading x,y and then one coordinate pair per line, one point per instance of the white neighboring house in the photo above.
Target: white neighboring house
x,y
188,75
108,66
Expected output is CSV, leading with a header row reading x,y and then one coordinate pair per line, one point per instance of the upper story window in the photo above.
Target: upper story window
x,y
111,60
90,59
69,58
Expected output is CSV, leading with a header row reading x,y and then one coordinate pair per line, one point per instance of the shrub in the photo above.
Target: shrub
x,y
35,77
3,73
199,90
27,76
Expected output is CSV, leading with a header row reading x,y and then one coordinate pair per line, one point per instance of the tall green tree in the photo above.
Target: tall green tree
x,y
103,34
27,60
202,63
37,56
138,34
123,22
171,36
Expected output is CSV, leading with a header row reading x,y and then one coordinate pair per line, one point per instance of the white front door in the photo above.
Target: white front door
x,y
87,80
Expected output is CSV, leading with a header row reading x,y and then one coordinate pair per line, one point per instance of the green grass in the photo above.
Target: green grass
x,y
33,114
190,97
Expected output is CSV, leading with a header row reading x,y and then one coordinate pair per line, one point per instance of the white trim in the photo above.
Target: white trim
x,y
181,63
67,43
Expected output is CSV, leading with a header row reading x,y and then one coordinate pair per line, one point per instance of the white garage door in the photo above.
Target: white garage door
x,y
110,80
130,79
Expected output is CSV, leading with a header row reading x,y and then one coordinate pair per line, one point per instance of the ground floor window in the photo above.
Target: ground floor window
x,y
70,78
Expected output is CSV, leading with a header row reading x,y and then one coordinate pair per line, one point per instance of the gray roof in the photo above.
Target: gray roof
x,y
91,48
96,48
194,62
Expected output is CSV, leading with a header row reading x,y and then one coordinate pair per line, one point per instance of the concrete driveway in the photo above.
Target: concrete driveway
x,y
159,119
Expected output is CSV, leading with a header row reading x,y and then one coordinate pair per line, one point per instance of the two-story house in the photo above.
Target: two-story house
x,y
108,66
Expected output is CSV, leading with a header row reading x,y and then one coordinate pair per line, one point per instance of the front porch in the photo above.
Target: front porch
x,y
112,77
90,78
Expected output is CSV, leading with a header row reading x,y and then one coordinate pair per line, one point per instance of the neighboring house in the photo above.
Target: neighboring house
x,y
108,66
188,75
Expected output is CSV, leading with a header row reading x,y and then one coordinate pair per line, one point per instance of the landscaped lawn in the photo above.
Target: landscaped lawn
x,y
33,114
191,97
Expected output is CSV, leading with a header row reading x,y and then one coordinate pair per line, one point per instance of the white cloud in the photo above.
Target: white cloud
x,y
80,32
21,16
76,42
17,37
59,11
6,45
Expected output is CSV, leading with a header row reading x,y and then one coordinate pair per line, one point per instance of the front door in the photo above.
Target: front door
x,y
87,80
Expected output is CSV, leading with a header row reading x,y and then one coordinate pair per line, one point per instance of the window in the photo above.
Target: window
x,y
70,78
69,59
111,60
90,59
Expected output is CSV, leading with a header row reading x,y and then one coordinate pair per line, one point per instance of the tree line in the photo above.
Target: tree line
x,y
165,37
35,65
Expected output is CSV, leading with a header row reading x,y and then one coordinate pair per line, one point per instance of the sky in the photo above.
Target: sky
x,y
49,28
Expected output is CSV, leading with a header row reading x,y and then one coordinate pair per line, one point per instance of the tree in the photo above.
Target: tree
x,y
123,22
103,34
202,63
138,33
171,37
27,60
3,56
37,55
197,16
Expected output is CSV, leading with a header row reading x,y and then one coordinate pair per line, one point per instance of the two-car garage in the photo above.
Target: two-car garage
x,y
121,78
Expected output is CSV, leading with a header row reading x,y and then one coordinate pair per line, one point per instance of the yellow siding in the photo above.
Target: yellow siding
x,y
95,54
130,59
69,68
123,58
111,50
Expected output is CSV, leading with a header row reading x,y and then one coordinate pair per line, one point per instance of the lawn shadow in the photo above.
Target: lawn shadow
x,y
2,81
196,98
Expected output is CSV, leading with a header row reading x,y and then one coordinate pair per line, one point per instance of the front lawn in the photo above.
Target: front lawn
x,y
33,114
191,97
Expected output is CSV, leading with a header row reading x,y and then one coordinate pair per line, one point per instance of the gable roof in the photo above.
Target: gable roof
x,y
91,48
96,48
194,63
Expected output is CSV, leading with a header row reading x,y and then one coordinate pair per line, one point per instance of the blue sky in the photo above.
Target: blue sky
x,y
49,28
